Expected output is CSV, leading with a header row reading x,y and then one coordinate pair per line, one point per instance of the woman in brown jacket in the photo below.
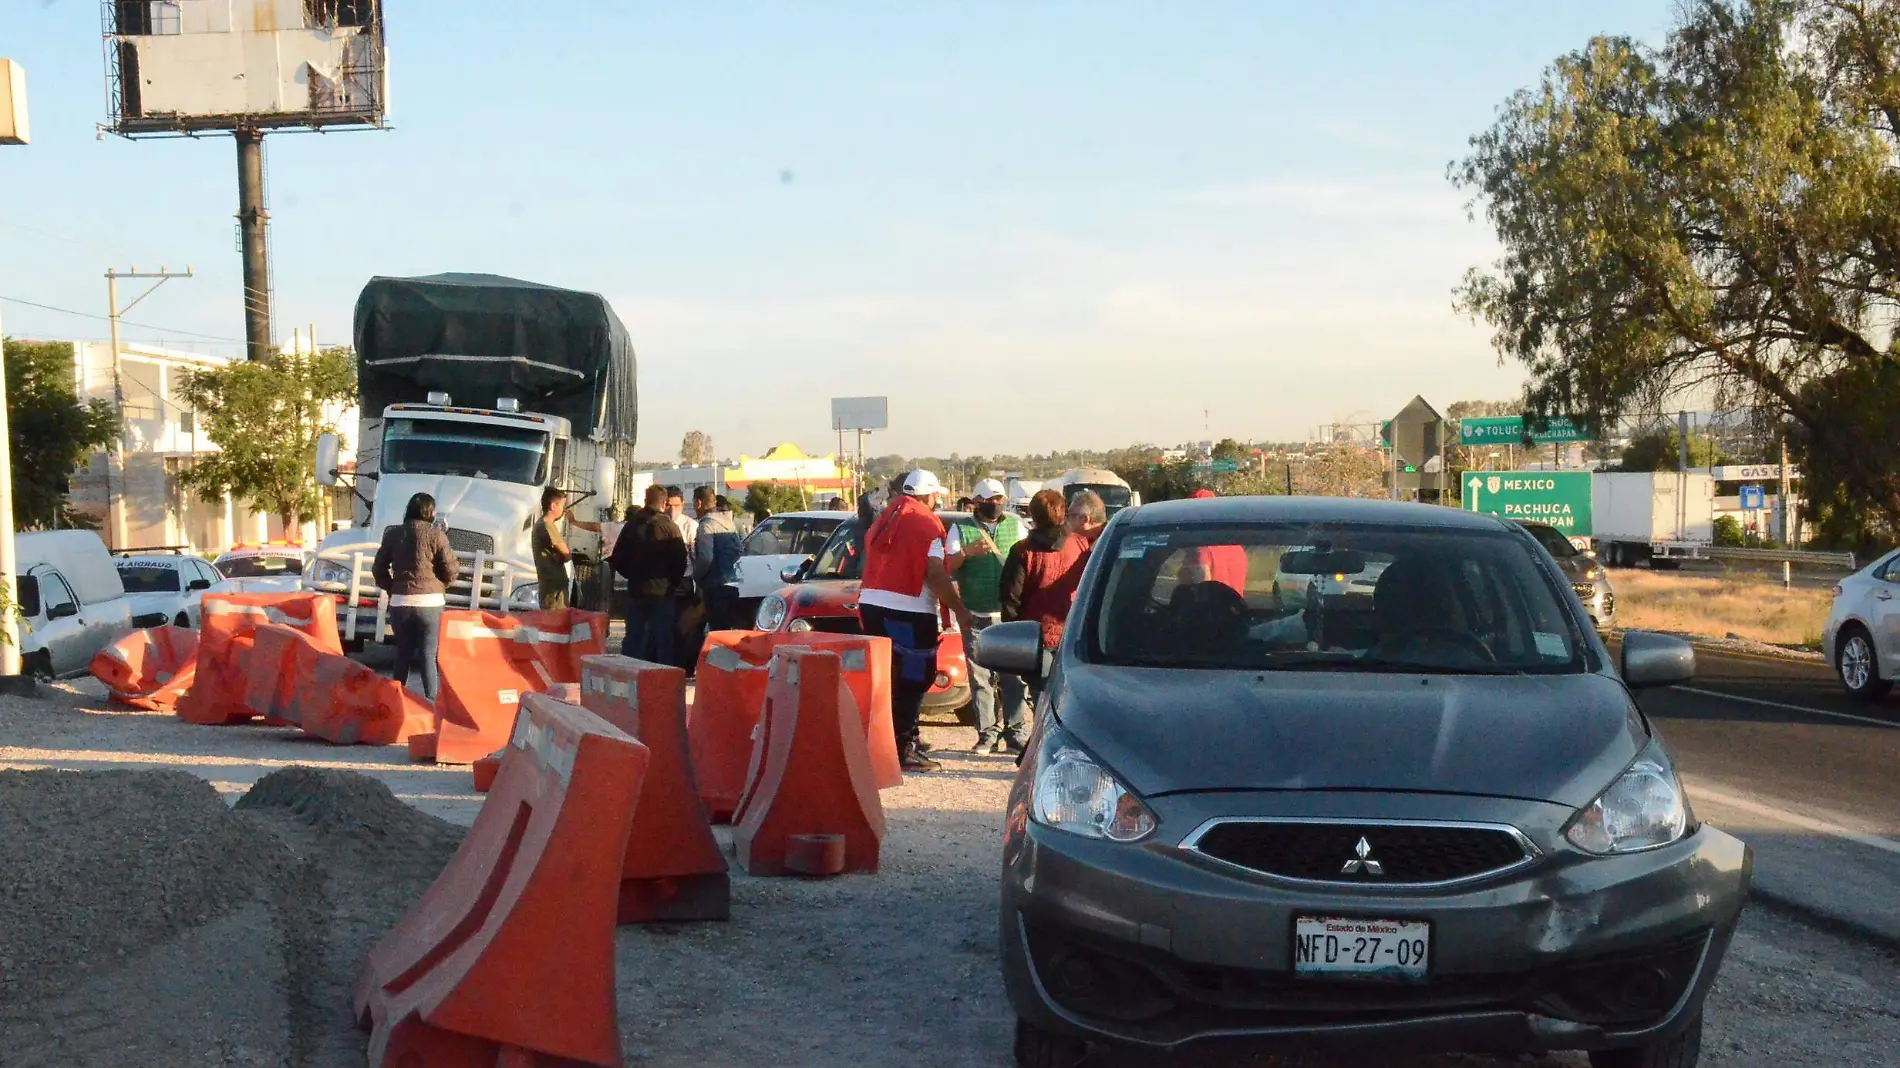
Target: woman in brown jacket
x,y
415,566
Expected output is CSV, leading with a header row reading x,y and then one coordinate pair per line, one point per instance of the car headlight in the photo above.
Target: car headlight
x,y
1076,794
526,598
771,614
1643,809
799,626
329,572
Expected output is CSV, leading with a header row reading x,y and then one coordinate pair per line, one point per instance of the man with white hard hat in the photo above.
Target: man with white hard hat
x,y
905,581
974,551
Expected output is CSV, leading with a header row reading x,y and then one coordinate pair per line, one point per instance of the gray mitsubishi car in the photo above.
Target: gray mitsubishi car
x,y
1417,813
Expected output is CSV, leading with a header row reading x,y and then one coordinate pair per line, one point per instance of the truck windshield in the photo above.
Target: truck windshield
x,y
1114,498
474,450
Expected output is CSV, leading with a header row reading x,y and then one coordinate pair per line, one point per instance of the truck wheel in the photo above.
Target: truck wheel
x,y
1858,667
1680,1050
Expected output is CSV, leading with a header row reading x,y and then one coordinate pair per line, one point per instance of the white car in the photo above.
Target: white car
x,y
72,603
1862,635
269,568
781,541
167,587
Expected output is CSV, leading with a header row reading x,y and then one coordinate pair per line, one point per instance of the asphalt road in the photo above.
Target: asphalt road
x,y
1773,751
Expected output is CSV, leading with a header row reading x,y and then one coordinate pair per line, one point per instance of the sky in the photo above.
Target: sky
x,y
1033,226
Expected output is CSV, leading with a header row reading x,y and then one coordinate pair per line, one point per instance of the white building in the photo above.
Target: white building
x,y
142,505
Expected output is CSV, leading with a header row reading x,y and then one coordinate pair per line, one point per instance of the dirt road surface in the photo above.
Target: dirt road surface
x,y
894,968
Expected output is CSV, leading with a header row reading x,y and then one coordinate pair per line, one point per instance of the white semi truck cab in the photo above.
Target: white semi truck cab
x,y
419,341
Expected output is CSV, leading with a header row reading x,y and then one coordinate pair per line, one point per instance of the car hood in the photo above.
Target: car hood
x,y
280,584
144,603
822,598
1548,738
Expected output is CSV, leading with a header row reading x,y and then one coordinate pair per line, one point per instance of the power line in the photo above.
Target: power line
x,y
126,322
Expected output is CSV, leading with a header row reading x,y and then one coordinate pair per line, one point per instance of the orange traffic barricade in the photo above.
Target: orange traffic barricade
x,y
508,959
149,669
674,868
728,693
814,809
487,662
217,693
328,695
866,662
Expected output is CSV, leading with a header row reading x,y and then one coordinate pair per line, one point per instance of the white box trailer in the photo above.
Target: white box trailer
x,y
1642,517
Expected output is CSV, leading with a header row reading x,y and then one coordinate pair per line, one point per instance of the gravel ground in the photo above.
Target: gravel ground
x,y
234,940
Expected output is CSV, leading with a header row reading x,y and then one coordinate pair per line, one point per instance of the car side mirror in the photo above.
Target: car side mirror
x,y
199,584
62,611
1651,660
1013,648
328,447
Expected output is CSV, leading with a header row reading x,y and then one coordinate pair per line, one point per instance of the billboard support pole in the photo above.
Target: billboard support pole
x,y
253,221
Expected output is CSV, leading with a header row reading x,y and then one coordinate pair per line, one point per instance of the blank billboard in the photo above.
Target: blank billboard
x,y
860,413
179,66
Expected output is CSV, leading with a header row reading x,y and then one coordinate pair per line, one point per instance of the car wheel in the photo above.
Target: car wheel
x,y
1036,1048
1854,662
1680,1050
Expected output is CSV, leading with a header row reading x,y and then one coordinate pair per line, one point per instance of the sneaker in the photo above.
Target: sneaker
x,y
985,746
915,761
922,746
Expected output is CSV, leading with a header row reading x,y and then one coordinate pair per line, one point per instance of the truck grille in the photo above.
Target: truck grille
x,y
470,541
1393,854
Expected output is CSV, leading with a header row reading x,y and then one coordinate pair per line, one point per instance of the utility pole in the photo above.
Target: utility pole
x,y
13,131
1787,506
253,225
115,502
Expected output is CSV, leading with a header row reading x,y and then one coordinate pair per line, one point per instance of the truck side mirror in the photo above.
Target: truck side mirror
x,y
327,450
606,474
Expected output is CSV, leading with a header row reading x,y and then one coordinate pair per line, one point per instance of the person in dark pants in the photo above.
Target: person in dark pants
x,y
651,556
904,584
414,566
1041,574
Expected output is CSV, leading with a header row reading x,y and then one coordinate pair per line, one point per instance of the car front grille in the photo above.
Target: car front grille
x,y
1370,853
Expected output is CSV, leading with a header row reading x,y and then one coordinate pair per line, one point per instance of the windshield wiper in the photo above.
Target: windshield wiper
x,y
1413,667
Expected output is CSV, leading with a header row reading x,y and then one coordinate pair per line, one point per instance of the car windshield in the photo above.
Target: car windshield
x,y
1114,498
239,567
473,450
149,578
1556,544
843,555
790,536
1342,597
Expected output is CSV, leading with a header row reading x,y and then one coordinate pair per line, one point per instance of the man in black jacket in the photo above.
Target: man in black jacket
x,y
651,556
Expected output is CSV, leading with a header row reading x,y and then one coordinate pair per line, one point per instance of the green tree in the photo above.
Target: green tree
x,y
1229,449
1660,450
1715,211
771,498
265,417
49,431
696,449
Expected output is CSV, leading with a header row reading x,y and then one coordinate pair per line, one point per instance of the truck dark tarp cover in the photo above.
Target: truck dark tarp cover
x,y
478,337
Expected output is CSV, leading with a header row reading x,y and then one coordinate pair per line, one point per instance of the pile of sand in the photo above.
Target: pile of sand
x,y
144,922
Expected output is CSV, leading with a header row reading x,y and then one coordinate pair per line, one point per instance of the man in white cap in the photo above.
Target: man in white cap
x,y
974,551
904,583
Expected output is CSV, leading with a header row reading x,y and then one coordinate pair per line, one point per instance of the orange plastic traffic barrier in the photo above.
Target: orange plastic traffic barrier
x,y
487,662
508,959
866,662
728,693
149,669
217,693
327,694
674,868
814,809
484,771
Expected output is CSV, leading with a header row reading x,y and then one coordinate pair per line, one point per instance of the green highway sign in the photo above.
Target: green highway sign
x,y
1218,466
1509,430
1557,499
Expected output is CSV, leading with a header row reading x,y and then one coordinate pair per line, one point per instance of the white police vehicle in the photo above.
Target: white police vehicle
x,y
167,587
265,567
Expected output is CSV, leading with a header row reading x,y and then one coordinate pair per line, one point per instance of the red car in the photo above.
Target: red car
x,y
822,594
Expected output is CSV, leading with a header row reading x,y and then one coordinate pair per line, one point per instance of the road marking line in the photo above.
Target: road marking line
x,y
1698,691
1795,819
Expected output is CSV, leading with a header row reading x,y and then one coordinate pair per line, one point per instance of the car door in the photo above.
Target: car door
x,y
199,580
62,629
1881,609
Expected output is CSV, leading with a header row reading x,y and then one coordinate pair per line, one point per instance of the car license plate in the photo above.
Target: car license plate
x,y
1357,948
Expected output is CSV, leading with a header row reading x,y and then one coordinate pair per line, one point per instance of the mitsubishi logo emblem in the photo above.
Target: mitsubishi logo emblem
x,y
1362,861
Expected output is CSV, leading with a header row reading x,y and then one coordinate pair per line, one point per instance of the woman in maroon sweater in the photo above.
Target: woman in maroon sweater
x,y
1042,572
